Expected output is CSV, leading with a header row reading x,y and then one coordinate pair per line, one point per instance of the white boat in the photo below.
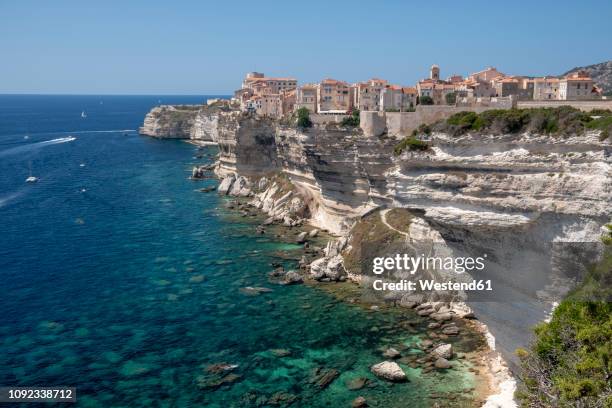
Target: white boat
x,y
26,137
31,178
83,114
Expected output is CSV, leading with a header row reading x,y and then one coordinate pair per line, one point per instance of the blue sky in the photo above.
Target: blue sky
x,y
205,47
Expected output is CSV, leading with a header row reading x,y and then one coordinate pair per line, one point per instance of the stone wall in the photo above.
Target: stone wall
x,y
401,124
323,119
582,105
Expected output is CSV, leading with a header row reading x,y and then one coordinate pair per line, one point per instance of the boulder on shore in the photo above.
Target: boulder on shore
x,y
328,268
226,185
292,278
443,351
391,353
442,363
390,371
301,238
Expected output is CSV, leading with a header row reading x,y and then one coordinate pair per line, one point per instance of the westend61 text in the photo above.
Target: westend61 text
x,y
430,285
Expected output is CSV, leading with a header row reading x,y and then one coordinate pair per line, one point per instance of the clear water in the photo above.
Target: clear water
x,y
121,279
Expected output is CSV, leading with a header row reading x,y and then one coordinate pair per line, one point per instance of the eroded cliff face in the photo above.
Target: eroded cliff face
x,y
531,204
196,122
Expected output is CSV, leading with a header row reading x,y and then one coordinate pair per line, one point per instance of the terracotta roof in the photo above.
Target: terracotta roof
x,y
409,90
330,81
578,79
546,79
266,79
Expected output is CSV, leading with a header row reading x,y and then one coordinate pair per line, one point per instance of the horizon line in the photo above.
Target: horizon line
x,y
110,94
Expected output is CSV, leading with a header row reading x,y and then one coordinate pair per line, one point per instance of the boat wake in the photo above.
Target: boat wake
x,y
35,146
72,132
9,197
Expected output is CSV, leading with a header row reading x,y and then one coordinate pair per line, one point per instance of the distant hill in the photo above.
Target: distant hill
x,y
601,74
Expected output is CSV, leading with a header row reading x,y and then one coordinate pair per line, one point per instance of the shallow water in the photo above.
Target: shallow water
x,y
123,280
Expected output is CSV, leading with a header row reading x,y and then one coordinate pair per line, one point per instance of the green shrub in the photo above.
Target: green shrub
x,y
603,123
303,118
424,128
410,143
564,120
426,100
352,120
463,119
569,363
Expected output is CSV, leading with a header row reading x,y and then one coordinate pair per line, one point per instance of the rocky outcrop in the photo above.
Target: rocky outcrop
x,y
170,121
195,122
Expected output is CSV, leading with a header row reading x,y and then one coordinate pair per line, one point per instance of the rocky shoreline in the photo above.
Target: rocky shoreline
x,y
518,198
276,199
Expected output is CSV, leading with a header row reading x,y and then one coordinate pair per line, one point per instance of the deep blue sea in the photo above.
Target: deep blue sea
x,y
123,280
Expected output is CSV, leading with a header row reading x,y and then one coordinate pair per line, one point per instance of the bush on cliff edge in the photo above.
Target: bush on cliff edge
x,y
303,118
352,120
569,363
563,120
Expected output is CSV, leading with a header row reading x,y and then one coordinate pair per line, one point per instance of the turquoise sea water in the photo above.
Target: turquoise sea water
x,y
120,278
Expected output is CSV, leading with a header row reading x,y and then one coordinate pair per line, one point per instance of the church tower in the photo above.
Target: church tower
x,y
434,73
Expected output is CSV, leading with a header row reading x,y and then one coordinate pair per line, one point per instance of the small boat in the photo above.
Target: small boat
x,y
83,114
31,178
26,137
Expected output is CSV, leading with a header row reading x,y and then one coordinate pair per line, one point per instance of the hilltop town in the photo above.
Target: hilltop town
x,y
276,97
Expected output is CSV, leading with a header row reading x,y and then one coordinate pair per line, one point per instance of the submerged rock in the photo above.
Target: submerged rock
x,y
442,363
357,383
282,398
323,377
214,382
219,368
196,279
391,353
254,291
390,371
359,402
281,352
